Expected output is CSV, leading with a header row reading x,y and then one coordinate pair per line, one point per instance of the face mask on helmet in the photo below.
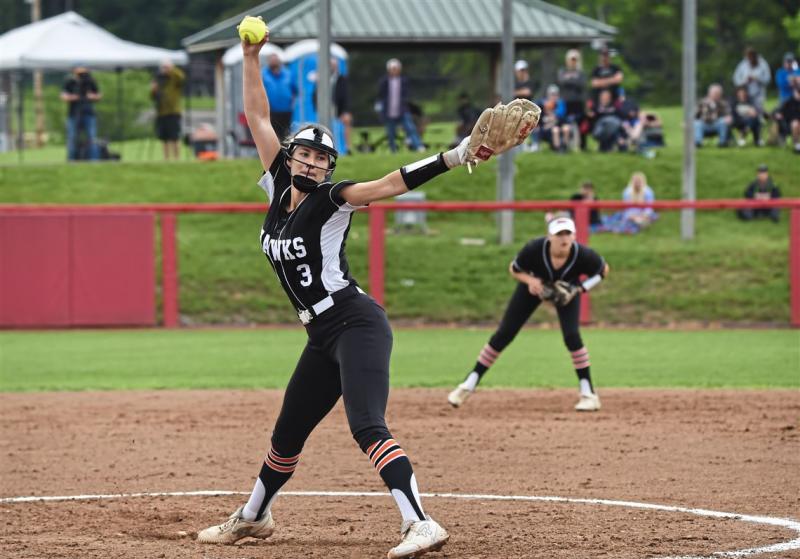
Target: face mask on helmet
x,y
317,139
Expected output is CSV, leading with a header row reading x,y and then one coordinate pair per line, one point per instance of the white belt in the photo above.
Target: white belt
x,y
320,307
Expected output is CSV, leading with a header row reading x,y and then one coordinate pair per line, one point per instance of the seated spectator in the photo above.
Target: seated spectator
x,y
587,194
633,220
746,117
788,116
631,122
606,121
761,189
553,127
652,134
713,117
468,115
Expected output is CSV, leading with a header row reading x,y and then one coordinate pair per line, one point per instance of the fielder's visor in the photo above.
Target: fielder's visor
x,y
560,224
317,139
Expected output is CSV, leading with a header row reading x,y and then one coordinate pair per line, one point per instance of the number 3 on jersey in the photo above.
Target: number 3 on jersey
x,y
305,270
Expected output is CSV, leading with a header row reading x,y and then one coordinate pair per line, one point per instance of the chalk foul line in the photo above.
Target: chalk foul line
x,y
787,523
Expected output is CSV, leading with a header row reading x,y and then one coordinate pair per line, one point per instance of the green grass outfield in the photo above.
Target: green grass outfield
x,y
265,358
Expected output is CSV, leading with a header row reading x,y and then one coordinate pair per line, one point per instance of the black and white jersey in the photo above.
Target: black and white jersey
x,y
534,258
306,247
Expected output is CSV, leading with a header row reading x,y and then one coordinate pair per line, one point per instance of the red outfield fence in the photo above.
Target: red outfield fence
x,y
377,233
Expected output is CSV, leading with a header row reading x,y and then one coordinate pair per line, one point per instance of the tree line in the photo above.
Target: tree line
x,y
649,42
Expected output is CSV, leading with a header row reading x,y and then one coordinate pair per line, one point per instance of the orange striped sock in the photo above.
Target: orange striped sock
x,y
394,467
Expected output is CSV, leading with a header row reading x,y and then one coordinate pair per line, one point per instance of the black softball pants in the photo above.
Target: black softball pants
x,y
347,354
519,310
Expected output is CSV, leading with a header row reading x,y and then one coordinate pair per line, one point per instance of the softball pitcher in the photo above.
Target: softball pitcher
x,y
349,338
547,269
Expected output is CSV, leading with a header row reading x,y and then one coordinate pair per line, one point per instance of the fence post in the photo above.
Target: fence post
x,y
794,266
582,236
377,246
169,271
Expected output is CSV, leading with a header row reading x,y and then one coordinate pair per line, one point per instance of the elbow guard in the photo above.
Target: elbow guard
x,y
420,172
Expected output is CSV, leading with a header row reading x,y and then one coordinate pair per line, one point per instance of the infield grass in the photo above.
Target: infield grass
x,y
265,358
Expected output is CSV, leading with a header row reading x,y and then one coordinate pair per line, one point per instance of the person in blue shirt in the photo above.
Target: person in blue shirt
x,y
786,78
281,92
786,75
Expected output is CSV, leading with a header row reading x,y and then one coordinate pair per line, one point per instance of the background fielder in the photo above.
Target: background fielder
x,y
547,268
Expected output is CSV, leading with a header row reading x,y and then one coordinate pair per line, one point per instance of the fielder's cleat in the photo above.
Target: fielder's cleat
x,y
418,538
458,396
588,402
237,528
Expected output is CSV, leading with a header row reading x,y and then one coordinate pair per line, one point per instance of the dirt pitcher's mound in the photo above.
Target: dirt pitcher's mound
x,y
733,451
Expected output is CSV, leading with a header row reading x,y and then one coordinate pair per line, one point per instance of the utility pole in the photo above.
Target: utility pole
x,y
324,65
38,102
688,191
505,166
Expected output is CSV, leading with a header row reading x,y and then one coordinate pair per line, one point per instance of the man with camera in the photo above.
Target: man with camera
x,y
80,91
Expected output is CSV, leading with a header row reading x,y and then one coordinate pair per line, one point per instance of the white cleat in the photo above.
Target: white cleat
x,y
588,402
458,396
237,528
418,538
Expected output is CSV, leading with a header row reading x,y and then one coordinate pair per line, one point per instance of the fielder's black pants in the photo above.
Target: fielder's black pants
x,y
519,310
347,355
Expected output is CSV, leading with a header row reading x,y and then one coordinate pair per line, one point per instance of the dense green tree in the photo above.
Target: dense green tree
x,y
649,41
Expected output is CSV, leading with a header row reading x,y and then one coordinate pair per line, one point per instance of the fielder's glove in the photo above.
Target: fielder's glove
x,y
500,128
548,293
565,292
560,293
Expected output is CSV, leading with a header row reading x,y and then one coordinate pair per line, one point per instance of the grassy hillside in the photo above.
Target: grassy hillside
x,y
732,271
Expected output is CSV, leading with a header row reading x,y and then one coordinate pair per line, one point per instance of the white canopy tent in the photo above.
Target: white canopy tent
x,y
61,42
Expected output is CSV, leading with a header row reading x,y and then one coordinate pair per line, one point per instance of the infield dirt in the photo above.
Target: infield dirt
x,y
733,451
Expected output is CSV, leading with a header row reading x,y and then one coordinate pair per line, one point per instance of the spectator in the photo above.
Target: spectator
x,y
553,127
606,122
281,93
639,191
80,92
761,189
786,76
713,117
746,117
633,220
606,76
651,135
523,85
340,97
631,119
642,130
468,115
572,82
753,73
393,99
166,91
587,194
788,116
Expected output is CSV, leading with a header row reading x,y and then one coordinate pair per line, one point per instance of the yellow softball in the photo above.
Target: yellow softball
x,y
252,29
